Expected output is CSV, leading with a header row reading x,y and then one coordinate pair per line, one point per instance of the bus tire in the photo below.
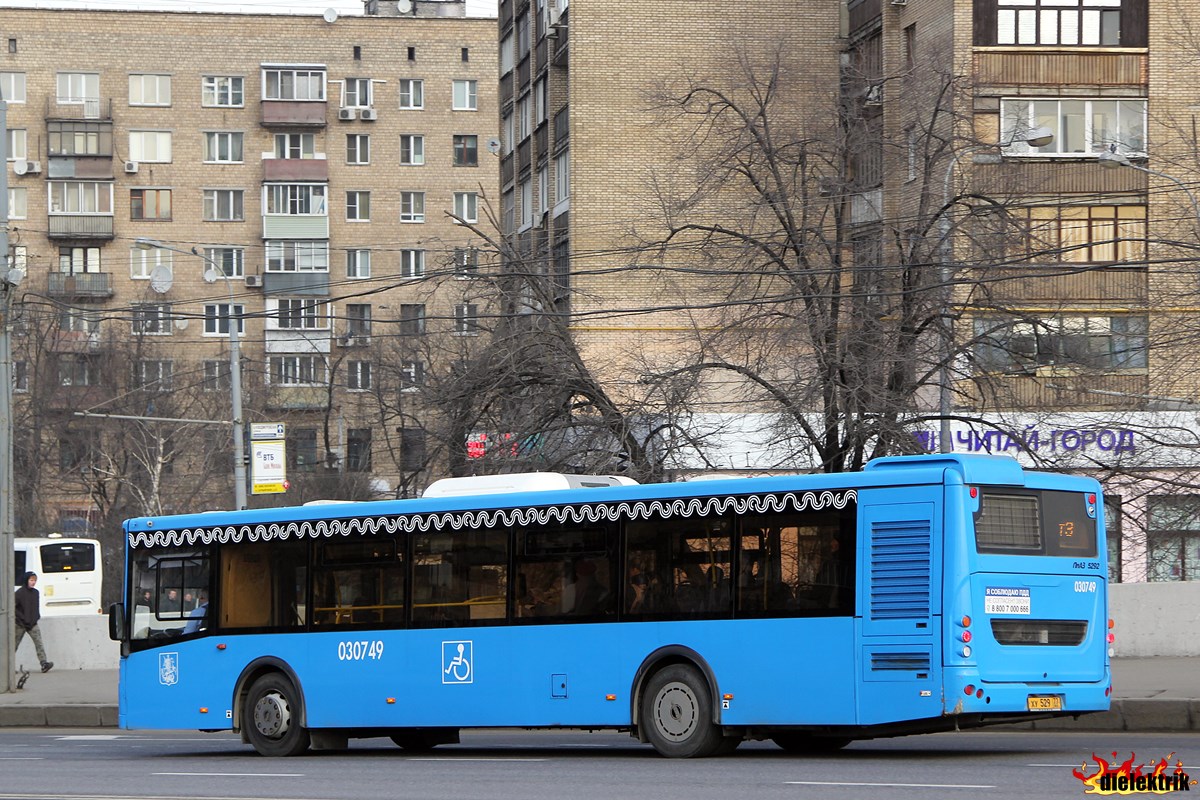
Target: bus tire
x,y
270,717
807,744
676,714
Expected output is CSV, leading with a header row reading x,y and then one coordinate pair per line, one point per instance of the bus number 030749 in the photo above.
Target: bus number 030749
x,y
360,651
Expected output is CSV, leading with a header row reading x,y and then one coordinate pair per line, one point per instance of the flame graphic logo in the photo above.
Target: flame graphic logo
x,y
1130,778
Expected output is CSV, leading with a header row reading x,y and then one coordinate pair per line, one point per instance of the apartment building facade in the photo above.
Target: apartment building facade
x,y
171,174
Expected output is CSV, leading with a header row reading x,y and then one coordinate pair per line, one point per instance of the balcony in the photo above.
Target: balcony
x,y
89,108
1058,391
79,286
295,226
60,341
293,113
1025,66
296,398
80,226
305,283
1117,285
289,170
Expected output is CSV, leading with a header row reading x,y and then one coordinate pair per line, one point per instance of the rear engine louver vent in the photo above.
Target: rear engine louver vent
x,y
900,570
904,662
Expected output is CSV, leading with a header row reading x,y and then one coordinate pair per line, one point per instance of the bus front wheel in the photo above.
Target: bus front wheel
x,y
270,717
677,714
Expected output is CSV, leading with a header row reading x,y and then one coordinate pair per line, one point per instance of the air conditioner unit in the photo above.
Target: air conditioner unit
x,y
370,114
899,2
131,167
345,113
253,281
353,341
34,167
873,96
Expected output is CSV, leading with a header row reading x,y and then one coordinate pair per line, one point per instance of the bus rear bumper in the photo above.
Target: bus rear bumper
x,y
966,693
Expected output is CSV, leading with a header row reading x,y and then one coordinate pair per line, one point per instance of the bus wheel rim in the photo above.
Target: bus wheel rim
x,y
676,711
272,715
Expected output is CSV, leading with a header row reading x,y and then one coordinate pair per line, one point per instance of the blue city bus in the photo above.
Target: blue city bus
x,y
925,593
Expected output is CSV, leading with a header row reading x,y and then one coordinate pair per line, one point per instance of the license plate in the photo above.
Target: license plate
x,y
1043,702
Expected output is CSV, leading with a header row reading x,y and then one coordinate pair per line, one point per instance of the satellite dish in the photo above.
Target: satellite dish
x,y
211,275
181,323
493,145
20,166
404,6
330,15
161,279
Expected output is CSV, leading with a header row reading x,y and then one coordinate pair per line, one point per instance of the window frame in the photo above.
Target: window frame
x,y
138,151
218,315
273,89
412,263
212,89
101,191
151,319
464,202
141,192
354,256
358,205
159,78
465,90
213,141
276,255
8,86
412,207
1013,123
412,150
358,149
465,150
212,201
412,90
307,369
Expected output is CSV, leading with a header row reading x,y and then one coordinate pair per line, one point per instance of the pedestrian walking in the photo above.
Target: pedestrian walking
x,y
28,612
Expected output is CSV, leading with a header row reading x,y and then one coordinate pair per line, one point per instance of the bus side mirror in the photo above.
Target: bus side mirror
x,y
116,622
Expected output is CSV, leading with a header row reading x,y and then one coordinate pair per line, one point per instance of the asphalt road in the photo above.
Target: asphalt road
x,y
42,764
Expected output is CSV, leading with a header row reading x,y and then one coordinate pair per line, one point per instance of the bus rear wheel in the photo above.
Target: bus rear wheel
x,y
270,717
676,714
804,743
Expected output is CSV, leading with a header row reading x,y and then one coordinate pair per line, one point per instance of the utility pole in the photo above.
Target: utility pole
x,y
7,536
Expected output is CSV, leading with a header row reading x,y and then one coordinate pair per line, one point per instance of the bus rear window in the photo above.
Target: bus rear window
x,y
1035,523
68,558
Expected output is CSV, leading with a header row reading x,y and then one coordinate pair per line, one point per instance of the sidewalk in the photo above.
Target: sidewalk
x,y
1150,694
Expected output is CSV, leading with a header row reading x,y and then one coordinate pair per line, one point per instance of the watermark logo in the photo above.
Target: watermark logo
x,y
1130,778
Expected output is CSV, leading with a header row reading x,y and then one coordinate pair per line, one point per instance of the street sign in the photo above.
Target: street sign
x,y
267,431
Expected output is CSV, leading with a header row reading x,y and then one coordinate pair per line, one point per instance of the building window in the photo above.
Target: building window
x,y
464,96
466,206
231,261
65,138
412,375
539,102
298,370
149,90
358,148
507,133
357,93
222,91
295,199
217,316
1079,234
223,205
223,147
18,202
80,260
150,204
525,189
412,263
142,263
12,86
302,449
412,206
1174,538
358,319
412,93
20,376
81,197
76,88
293,84
466,150
466,54
358,206
412,449
154,376
466,319
1079,126
1059,22
80,451
153,147
295,145
412,319
1070,341
18,147
152,319
358,375
562,176
302,256
524,118
216,376
358,445
412,149
466,262
358,263
78,370
506,54
300,314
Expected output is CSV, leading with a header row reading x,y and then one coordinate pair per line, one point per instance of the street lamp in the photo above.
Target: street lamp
x,y
1114,160
1034,137
214,272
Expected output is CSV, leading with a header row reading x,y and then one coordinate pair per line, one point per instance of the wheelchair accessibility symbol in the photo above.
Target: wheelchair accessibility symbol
x,y
456,662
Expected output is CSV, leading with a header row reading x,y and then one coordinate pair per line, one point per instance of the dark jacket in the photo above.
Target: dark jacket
x,y
28,607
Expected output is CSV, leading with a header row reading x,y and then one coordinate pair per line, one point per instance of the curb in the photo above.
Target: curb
x,y
1133,715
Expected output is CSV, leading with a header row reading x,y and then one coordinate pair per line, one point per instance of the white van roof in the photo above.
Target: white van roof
x,y
521,482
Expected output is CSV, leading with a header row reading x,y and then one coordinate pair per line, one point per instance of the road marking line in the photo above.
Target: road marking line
x,y
90,737
234,774
1089,763
857,784
22,758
